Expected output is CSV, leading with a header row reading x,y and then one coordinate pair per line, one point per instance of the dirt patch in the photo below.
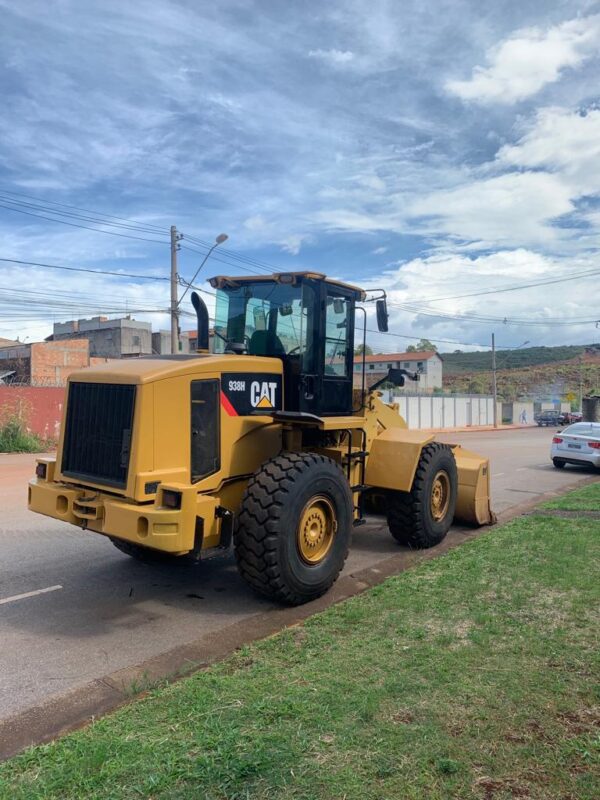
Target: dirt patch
x,y
489,788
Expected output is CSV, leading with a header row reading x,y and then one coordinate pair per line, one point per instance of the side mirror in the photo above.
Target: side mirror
x,y
382,315
339,306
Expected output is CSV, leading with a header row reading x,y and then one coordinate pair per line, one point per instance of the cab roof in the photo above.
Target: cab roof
x,y
223,281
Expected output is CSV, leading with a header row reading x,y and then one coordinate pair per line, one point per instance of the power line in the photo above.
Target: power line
x,y
515,287
87,210
99,218
85,227
82,269
507,320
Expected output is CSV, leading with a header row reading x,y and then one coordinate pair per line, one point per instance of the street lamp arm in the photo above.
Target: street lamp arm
x,y
222,237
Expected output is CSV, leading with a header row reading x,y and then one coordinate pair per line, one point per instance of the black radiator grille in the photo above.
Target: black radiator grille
x,y
98,432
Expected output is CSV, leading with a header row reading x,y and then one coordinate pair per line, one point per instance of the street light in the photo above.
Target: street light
x,y
222,237
175,302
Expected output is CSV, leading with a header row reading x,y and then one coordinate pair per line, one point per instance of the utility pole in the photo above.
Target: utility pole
x,y
175,237
495,385
581,383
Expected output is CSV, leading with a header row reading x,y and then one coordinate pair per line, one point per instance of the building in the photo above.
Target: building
x,y
44,363
108,338
428,364
161,342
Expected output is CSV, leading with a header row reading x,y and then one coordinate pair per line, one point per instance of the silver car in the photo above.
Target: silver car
x,y
577,444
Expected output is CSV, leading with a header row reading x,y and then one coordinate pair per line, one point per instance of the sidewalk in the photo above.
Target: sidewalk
x,y
478,429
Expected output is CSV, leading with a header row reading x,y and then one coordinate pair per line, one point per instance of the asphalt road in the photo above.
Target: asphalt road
x,y
73,609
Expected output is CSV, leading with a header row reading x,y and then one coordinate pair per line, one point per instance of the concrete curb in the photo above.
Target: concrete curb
x,y
67,712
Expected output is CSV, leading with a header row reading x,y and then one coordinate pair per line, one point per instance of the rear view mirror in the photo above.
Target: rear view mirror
x,y
338,305
382,315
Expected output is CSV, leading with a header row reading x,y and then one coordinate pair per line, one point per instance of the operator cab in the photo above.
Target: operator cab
x,y
302,318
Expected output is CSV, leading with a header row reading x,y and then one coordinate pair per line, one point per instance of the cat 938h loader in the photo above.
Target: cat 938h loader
x,y
262,444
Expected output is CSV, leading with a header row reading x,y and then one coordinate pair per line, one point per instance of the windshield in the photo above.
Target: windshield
x,y
583,428
269,318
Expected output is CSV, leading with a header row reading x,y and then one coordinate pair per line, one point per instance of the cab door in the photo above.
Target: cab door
x,y
337,351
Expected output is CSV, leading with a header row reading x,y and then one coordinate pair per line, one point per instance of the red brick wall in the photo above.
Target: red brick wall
x,y
39,407
53,362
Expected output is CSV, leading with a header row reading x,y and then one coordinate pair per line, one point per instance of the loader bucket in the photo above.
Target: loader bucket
x,y
473,500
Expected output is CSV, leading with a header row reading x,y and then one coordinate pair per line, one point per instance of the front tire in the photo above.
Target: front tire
x,y
422,517
294,527
559,463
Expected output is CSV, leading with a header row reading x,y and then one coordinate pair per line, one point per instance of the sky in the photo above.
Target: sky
x,y
439,150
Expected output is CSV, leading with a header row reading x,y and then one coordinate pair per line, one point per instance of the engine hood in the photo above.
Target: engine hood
x,y
156,368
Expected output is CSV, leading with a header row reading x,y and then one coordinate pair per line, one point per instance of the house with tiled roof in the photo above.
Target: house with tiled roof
x,y
428,364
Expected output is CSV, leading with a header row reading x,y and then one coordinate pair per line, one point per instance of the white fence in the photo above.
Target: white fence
x,y
440,411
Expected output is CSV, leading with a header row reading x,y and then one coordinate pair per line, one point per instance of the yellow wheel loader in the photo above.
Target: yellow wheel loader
x,y
263,444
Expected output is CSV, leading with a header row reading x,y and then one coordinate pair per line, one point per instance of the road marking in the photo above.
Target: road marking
x,y
522,469
29,594
498,474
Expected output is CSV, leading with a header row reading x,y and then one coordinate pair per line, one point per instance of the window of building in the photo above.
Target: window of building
x,y
371,366
406,364
389,366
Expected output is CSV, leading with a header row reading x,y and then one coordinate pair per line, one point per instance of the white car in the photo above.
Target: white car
x,y
577,444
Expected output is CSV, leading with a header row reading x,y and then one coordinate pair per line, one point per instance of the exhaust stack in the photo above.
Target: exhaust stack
x,y
202,317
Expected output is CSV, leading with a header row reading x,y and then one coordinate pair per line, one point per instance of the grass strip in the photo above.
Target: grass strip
x,y
472,676
585,499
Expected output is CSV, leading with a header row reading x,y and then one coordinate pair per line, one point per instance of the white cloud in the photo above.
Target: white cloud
x,y
418,281
503,210
563,142
255,223
333,57
293,244
528,60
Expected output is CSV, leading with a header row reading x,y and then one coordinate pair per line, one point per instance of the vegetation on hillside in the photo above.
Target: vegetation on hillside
x,y
560,381
458,362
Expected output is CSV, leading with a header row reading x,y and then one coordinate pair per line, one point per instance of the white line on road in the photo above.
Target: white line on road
x,y
497,475
29,594
522,469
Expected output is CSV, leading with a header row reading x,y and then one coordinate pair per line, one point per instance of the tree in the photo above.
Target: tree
x,y
421,346
358,351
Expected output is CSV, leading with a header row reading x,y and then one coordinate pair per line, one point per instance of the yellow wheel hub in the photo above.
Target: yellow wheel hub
x,y
316,530
440,496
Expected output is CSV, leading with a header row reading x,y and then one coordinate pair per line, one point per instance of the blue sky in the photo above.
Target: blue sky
x,y
435,149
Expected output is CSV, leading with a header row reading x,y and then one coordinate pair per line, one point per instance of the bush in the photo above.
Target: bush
x,y
15,438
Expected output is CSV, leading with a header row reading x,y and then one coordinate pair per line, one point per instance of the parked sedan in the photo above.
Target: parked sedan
x,y
577,444
548,418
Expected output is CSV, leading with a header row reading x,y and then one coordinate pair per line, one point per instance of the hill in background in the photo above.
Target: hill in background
x,y
544,373
458,362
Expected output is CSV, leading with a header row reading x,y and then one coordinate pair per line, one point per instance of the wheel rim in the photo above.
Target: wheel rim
x,y
316,529
440,496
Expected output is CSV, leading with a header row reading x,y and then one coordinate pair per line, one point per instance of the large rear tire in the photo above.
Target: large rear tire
x,y
559,463
294,527
422,517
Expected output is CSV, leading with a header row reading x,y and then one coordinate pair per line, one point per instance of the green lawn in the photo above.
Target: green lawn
x,y
584,499
474,675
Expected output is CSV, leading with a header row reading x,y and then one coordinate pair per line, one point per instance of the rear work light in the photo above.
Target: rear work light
x,y
40,470
556,440
594,445
171,499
